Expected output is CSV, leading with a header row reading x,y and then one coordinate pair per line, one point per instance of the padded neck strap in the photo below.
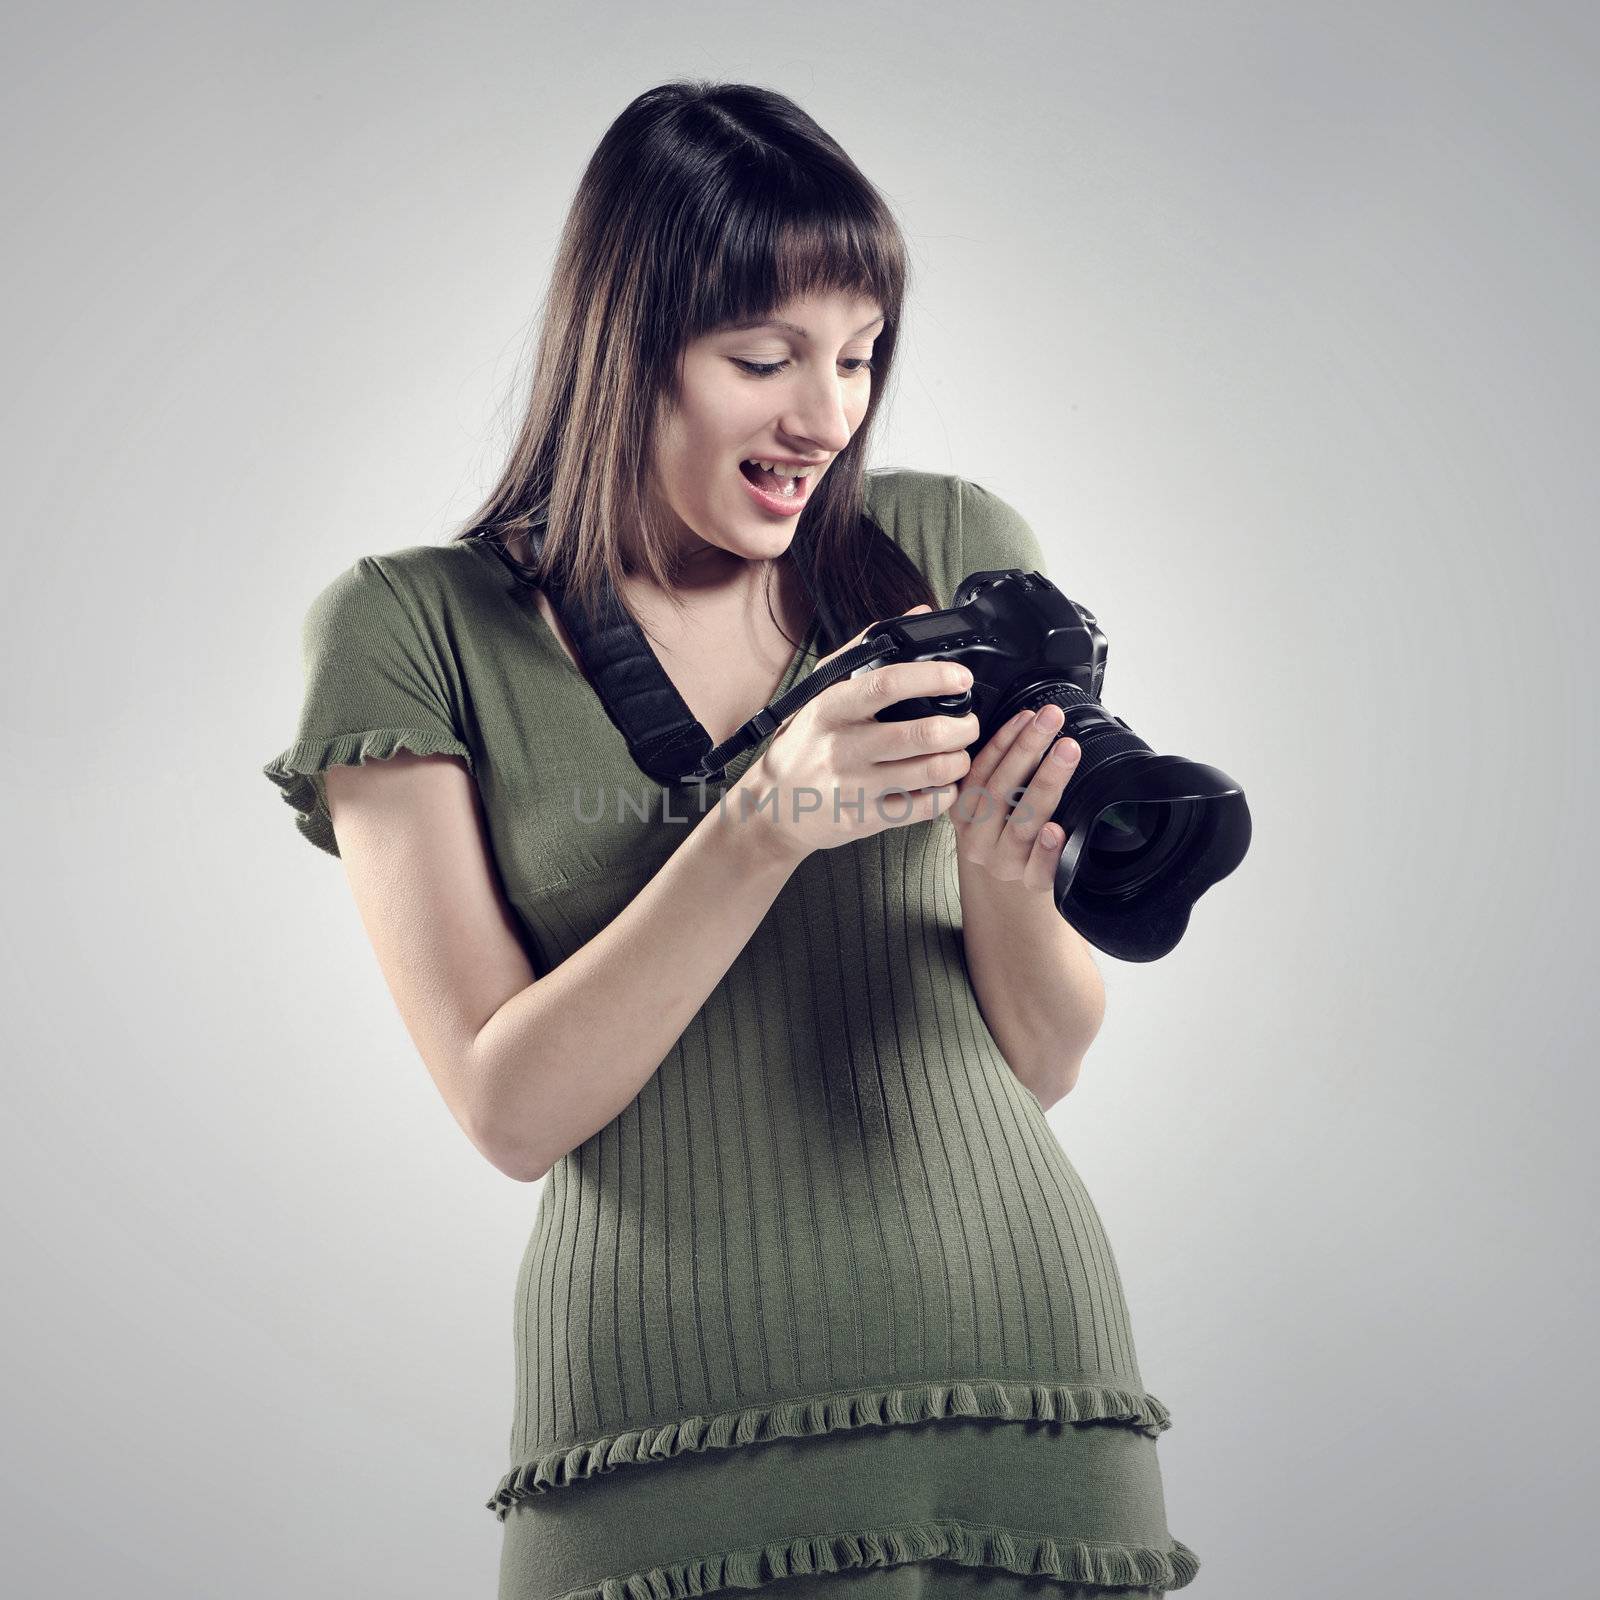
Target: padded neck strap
x,y
664,737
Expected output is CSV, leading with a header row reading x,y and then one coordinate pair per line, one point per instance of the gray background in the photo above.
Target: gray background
x,y
1278,323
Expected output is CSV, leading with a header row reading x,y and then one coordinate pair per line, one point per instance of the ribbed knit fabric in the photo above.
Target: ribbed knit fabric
x,y
831,1263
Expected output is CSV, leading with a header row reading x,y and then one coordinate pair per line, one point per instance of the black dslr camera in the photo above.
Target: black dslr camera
x,y
1146,835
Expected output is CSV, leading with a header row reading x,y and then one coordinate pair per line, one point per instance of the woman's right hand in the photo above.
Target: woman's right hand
x,y
832,772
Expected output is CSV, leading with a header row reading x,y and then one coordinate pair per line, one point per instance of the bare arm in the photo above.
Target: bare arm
x,y
605,1019
1035,977
531,1067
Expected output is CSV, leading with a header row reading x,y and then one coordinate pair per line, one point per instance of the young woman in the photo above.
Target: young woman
x,y
814,1301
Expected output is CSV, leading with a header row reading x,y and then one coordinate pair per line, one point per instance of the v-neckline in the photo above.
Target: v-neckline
x,y
551,643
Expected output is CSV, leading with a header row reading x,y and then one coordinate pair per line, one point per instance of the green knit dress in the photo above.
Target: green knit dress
x,y
828,1297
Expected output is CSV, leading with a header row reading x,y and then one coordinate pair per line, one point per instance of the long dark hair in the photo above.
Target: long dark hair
x,y
704,204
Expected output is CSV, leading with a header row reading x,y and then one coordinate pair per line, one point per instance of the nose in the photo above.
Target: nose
x,y
819,413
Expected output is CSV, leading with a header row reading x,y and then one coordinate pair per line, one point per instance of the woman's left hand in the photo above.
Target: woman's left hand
x,y
1021,845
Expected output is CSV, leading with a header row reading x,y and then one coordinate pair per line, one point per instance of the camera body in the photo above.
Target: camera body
x,y
1146,834
1016,633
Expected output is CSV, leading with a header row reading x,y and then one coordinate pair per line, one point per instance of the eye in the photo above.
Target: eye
x,y
765,369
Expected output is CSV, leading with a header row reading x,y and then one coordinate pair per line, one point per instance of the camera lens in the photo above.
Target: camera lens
x,y
1122,830
1134,842
1146,834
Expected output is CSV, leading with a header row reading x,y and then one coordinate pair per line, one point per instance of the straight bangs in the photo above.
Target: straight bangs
x,y
786,240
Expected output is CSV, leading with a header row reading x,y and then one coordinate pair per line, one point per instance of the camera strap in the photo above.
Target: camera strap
x,y
770,718
665,738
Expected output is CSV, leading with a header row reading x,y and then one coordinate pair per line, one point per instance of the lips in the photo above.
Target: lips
x,y
768,499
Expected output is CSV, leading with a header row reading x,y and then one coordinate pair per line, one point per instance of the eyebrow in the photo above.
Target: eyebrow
x,y
792,327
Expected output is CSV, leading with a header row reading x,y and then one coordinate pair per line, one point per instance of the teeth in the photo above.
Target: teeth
x,y
778,469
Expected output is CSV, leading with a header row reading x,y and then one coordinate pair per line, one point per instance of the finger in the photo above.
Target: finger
x,y
855,702
980,799
1027,749
1035,810
1043,859
1002,739
859,698
1008,760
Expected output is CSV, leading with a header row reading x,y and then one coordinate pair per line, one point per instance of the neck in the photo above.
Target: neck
x,y
703,571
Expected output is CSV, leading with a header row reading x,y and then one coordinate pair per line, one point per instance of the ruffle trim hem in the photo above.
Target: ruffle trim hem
x,y
993,1398
1074,1561
294,769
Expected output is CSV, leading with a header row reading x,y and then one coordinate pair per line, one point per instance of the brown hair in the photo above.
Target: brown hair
x,y
704,204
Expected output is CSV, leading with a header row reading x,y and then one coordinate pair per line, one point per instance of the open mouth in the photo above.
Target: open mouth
x,y
771,484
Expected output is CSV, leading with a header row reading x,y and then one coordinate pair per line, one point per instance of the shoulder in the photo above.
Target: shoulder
x,y
994,534
426,574
917,510
949,525
409,586
897,490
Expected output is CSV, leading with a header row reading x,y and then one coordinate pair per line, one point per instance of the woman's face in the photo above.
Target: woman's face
x,y
802,402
